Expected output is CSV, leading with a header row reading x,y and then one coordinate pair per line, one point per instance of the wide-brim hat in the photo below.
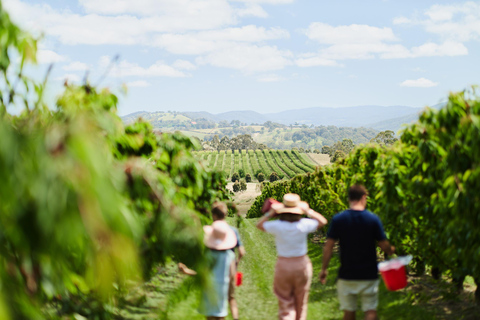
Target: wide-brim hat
x,y
291,202
219,236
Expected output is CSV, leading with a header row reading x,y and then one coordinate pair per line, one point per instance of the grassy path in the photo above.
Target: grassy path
x,y
256,299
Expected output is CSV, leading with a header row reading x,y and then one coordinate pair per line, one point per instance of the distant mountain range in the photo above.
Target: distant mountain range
x,y
376,117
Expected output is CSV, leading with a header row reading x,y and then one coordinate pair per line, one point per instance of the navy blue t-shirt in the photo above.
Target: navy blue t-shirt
x,y
358,233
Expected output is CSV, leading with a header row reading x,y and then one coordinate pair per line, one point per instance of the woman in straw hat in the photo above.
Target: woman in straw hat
x,y
220,239
293,271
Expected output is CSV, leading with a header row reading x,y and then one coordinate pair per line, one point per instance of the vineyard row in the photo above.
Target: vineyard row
x,y
285,163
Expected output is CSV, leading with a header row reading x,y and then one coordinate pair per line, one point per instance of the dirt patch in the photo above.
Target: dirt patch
x,y
319,159
443,299
244,199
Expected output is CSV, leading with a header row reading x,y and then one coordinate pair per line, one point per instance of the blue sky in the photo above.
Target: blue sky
x,y
261,55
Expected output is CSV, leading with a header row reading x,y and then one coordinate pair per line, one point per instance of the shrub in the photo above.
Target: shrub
x,y
235,177
248,177
241,173
257,173
273,177
261,177
236,186
243,185
339,155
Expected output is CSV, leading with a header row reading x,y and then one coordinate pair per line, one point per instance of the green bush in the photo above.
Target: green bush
x,y
235,177
236,186
241,173
273,177
248,177
261,177
243,185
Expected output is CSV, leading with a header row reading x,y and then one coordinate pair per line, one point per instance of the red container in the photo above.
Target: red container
x,y
395,279
239,278
268,204
393,272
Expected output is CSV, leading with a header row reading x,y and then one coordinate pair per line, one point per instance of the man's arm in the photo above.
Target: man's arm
x,y
327,255
386,247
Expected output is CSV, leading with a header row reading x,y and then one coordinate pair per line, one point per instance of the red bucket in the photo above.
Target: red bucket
x,y
393,272
239,278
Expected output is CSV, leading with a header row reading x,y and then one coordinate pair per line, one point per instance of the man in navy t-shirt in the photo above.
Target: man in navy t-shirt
x,y
358,232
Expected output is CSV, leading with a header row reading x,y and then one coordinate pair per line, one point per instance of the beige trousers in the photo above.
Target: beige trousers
x,y
291,285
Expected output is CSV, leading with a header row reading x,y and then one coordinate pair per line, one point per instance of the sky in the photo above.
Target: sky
x,y
260,55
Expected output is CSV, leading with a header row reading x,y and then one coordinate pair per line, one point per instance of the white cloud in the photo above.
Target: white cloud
x,y
184,65
315,61
207,41
76,66
419,83
248,58
352,34
401,20
128,69
270,78
49,56
449,48
138,84
367,42
122,27
168,15
252,10
459,23
266,1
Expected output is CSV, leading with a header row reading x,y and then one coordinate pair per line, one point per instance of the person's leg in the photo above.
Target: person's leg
x,y
231,292
369,299
348,315
347,298
371,315
303,280
233,308
283,289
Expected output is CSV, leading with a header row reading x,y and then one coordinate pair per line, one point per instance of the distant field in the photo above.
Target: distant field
x,y
285,163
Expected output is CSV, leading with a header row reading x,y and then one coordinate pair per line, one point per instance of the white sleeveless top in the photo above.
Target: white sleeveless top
x,y
291,237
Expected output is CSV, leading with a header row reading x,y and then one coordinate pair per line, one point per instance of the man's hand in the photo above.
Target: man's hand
x,y
323,276
386,247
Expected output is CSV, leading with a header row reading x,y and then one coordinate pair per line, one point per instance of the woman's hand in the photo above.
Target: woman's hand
x,y
185,270
304,206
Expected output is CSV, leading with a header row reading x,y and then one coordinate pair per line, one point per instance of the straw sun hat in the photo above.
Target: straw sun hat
x,y
292,204
219,236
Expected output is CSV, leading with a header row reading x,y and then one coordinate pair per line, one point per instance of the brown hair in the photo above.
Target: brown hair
x,y
220,210
290,217
356,192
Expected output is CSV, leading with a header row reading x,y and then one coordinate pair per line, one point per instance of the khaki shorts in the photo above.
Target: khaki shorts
x,y
350,290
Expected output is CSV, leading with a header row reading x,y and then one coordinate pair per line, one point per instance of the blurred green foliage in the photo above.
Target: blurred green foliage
x,y
88,207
